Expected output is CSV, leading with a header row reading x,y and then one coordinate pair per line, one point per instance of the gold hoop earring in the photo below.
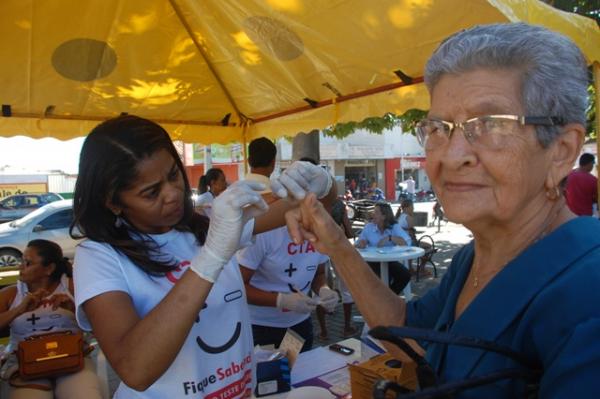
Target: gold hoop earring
x,y
553,194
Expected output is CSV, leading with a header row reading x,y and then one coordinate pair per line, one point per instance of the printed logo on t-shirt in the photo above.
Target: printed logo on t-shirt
x,y
239,388
304,248
174,276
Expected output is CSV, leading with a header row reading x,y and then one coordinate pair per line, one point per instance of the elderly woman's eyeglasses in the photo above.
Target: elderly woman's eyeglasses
x,y
488,131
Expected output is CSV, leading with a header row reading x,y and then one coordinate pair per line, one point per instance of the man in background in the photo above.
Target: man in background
x,y
582,187
410,188
261,158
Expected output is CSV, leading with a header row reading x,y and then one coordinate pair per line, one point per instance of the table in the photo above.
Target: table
x,y
397,253
320,366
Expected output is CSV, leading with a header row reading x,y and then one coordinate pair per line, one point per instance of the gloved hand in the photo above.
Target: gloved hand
x,y
299,179
329,298
296,302
230,212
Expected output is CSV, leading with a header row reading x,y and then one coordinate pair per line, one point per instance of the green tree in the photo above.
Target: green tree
x,y
588,8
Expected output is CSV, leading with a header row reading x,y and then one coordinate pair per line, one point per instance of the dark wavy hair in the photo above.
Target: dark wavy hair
x,y
108,165
206,180
261,152
388,215
51,253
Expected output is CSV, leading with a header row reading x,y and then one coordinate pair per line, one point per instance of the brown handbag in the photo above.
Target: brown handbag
x,y
50,355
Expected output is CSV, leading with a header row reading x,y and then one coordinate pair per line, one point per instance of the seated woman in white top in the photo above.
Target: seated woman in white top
x,y
210,186
405,218
42,302
384,231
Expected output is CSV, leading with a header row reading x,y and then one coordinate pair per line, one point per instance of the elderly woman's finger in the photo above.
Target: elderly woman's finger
x,y
293,220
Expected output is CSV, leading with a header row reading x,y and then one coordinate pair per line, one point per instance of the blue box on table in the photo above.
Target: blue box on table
x,y
272,377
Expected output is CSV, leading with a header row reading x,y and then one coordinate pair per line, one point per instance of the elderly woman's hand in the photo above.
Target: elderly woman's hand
x,y
312,222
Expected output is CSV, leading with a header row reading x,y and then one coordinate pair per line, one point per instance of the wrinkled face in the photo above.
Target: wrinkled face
x,y
219,185
476,184
32,268
155,201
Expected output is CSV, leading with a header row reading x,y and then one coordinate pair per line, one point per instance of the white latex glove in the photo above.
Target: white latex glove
x,y
296,302
230,212
300,178
329,298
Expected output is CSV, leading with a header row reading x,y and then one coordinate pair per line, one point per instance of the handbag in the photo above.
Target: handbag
x,y
430,385
50,355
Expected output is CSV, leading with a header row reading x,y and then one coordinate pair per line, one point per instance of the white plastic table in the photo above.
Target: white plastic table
x,y
397,253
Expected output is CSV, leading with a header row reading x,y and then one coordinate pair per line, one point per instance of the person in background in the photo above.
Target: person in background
x,y
404,217
320,310
210,185
384,231
42,302
340,216
582,187
262,153
279,276
155,280
506,124
410,187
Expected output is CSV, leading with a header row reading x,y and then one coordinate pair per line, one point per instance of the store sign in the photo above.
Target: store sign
x,y
7,189
414,163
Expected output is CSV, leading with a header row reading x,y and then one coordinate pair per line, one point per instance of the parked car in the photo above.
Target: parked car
x,y
50,222
19,205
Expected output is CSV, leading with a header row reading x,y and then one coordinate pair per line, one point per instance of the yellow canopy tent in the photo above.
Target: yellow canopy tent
x,y
216,71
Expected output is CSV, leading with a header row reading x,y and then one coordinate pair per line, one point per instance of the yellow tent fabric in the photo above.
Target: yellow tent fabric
x,y
276,67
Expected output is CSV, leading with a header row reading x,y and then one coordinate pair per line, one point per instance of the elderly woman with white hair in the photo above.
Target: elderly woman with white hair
x,y
505,127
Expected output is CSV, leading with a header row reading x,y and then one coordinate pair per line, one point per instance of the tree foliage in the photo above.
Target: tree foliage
x,y
377,124
588,8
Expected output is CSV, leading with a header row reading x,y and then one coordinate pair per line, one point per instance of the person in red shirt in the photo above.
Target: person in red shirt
x,y
582,187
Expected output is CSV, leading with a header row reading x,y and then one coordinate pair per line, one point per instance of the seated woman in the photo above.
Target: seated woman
x,y
41,302
278,275
210,186
405,218
384,231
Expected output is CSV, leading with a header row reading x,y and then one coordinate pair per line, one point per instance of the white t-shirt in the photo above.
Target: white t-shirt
x,y
216,358
403,221
204,201
279,263
410,186
43,319
372,235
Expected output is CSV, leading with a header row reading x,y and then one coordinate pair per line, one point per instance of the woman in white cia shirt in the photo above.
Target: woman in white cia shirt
x,y
279,275
152,280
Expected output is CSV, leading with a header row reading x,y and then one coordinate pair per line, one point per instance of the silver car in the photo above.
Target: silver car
x,y
18,205
50,222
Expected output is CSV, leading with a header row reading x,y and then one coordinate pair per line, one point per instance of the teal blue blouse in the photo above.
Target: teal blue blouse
x,y
544,304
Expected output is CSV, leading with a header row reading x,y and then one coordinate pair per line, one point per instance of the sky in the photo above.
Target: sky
x,y
24,154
